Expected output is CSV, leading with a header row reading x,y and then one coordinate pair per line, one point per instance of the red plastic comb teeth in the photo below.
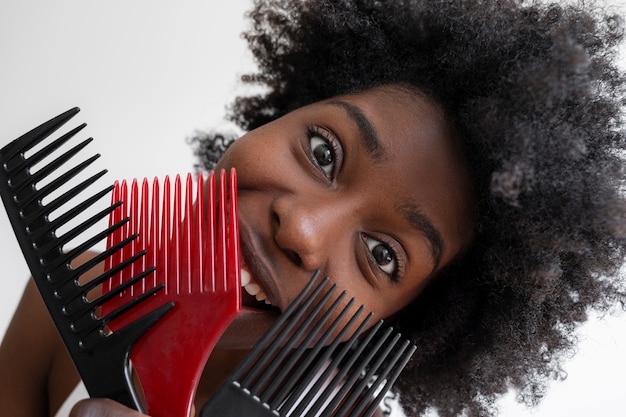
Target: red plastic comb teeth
x,y
194,247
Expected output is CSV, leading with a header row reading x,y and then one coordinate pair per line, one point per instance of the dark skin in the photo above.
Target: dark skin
x,y
370,188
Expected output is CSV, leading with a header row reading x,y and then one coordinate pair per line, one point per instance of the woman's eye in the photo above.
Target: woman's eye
x,y
323,154
383,255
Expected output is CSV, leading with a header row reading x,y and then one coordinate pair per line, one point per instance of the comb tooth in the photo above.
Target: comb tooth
x,y
165,249
128,251
103,235
185,259
141,216
153,235
105,256
51,250
198,236
20,172
138,327
134,227
363,381
105,276
39,232
220,250
87,323
234,270
284,350
58,268
84,321
144,214
142,234
70,288
305,385
30,199
210,243
330,370
312,354
80,304
175,239
339,379
106,296
25,192
111,237
401,359
33,137
124,238
285,332
47,150
90,340
31,209
38,218
311,333
132,303
65,260
302,381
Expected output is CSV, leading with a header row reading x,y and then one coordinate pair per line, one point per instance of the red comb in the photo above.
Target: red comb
x,y
194,247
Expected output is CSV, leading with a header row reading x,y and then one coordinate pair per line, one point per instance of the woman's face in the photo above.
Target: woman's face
x,y
369,188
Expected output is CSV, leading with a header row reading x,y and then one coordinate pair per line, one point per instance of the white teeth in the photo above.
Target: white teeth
x,y
252,288
245,277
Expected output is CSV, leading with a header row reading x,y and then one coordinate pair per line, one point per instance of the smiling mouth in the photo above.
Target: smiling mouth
x,y
253,295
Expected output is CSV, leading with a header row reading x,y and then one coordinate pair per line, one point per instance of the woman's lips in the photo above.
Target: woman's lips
x,y
256,275
254,319
252,287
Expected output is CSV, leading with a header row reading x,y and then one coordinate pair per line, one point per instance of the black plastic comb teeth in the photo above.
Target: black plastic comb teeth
x,y
299,368
101,356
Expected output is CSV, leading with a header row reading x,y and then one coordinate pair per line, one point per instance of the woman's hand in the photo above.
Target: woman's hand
x,y
102,407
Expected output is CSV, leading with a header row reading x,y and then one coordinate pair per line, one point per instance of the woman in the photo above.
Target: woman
x,y
455,165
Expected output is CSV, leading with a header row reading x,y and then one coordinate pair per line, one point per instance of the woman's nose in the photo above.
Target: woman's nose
x,y
309,229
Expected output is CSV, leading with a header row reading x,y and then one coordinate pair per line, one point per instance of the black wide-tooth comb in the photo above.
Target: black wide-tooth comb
x,y
302,366
100,355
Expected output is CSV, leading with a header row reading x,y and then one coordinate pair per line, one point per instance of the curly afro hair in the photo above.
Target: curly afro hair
x,y
537,97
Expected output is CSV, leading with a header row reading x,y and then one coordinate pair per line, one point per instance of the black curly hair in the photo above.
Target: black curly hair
x,y
537,97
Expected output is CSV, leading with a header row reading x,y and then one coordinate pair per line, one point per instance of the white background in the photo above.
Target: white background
x,y
147,74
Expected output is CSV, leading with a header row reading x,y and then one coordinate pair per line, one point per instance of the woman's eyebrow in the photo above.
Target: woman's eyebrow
x,y
368,135
424,225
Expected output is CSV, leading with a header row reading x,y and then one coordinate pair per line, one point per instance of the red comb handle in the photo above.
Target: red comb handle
x,y
194,245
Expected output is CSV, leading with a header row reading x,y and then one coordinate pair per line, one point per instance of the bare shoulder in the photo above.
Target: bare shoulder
x,y
37,373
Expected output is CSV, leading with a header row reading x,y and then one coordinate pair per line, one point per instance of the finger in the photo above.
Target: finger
x,y
102,407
